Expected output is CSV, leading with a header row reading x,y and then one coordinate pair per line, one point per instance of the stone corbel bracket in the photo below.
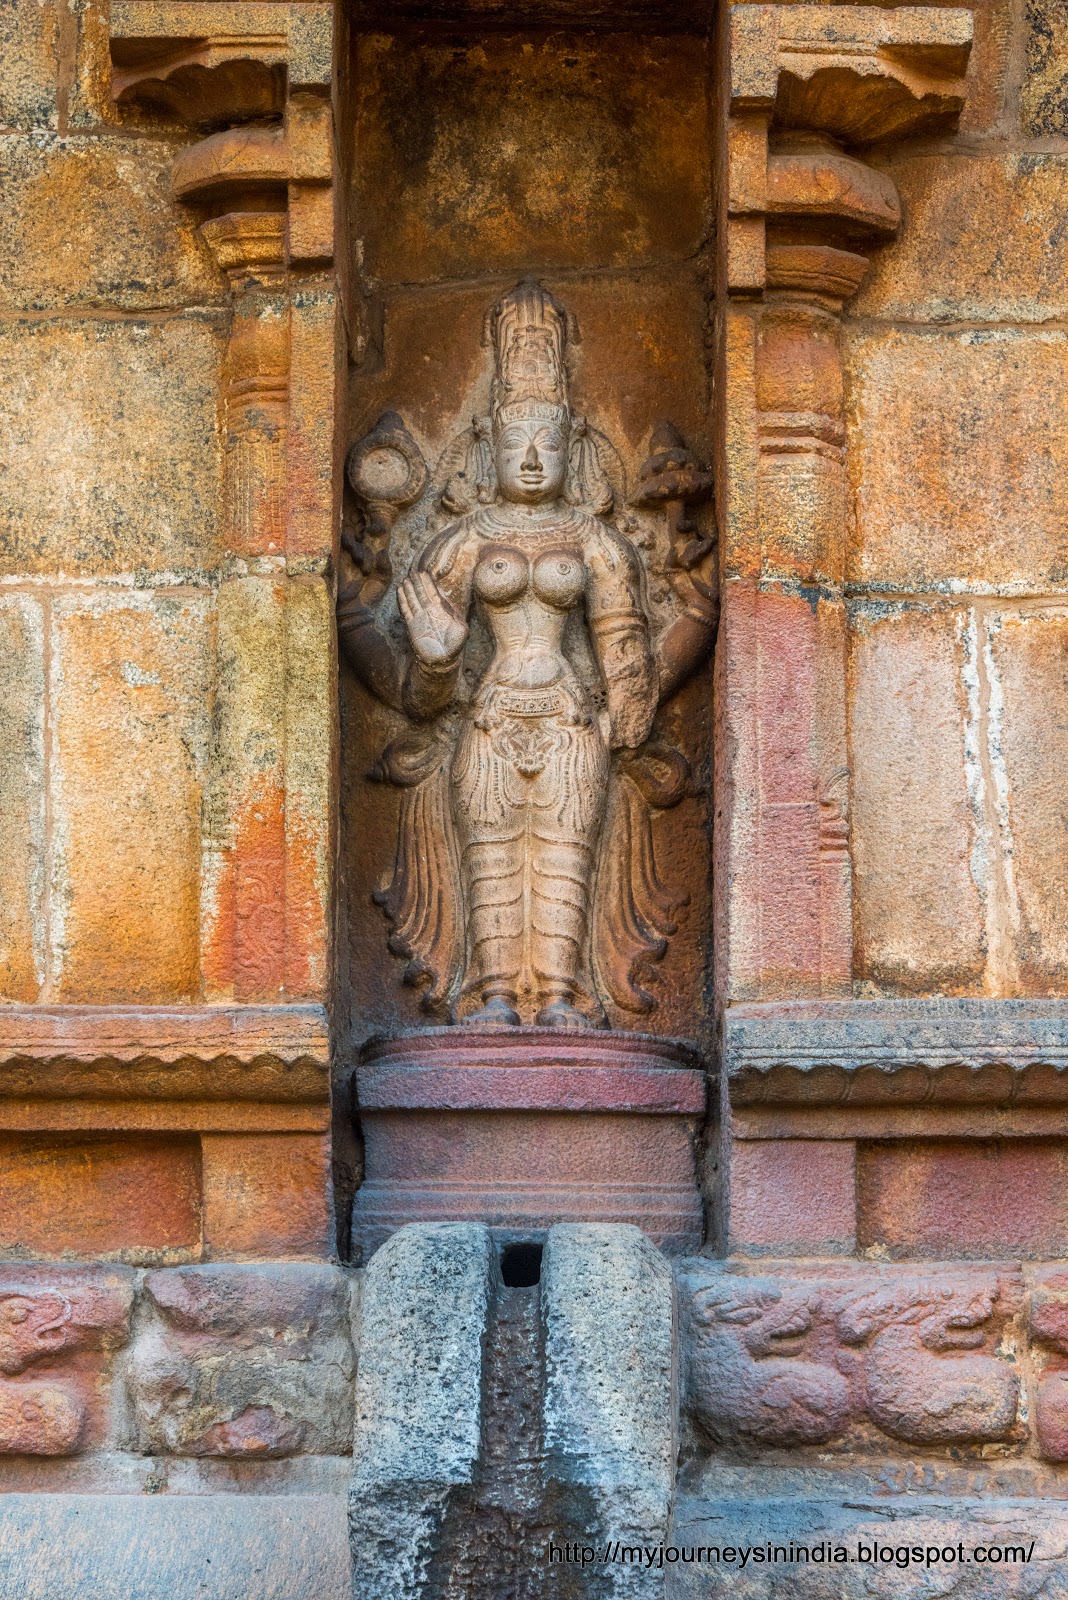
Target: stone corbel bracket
x,y
265,191
210,64
839,75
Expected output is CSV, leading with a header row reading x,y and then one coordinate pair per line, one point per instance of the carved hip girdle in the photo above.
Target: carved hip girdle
x,y
536,747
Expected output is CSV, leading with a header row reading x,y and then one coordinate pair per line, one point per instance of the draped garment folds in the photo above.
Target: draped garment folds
x,y
498,867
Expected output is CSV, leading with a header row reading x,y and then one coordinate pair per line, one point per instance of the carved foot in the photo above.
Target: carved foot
x,y
561,1014
497,1012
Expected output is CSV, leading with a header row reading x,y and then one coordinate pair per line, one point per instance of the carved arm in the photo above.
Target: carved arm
x,y
369,650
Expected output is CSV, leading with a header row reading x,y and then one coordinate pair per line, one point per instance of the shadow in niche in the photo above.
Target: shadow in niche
x,y
521,1265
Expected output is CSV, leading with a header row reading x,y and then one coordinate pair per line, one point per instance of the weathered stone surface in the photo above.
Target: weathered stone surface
x,y
242,905
130,711
1027,663
871,1052
610,1403
243,1361
792,1197
267,1195
809,1515
1048,1328
424,1306
980,239
311,698
919,915
990,102
94,223
125,476
63,1323
1044,97
806,1356
29,63
22,797
496,178
977,1198
951,488
118,1197
187,1547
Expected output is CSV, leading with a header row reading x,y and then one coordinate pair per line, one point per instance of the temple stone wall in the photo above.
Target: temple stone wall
x,y
956,357
829,246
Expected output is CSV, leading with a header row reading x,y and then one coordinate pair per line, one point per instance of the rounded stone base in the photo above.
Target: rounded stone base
x,y
521,1128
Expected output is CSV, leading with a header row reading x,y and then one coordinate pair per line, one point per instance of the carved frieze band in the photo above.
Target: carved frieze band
x,y
871,1357
166,1052
871,1052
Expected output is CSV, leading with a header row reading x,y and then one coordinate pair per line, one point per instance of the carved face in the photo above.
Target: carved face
x,y
531,462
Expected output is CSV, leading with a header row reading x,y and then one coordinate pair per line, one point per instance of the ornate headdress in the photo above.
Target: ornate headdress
x,y
529,329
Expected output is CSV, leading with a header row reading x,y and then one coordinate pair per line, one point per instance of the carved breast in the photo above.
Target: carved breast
x,y
504,574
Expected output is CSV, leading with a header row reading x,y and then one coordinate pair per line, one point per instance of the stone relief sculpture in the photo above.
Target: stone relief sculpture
x,y
525,656
777,1361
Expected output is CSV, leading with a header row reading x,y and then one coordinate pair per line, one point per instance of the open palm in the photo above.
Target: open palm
x,y
436,632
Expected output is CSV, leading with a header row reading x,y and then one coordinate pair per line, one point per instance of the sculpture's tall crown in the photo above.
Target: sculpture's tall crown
x,y
528,329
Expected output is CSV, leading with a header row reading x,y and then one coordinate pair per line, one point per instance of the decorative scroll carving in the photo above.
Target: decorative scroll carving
x,y
1049,1332
800,1360
54,1317
525,886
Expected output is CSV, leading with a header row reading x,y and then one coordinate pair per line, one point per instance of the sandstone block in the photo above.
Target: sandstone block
x,y
993,44
978,1198
950,485
919,916
29,64
980,240
187,1547
123,1197
108,447
792,1197
789,874
22,789
131,716
267,1196
1027,661
425,1302
495,177
243,1361
243,897
93,222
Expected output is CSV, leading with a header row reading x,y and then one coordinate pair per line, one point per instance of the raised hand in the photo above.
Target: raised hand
x,y
437,633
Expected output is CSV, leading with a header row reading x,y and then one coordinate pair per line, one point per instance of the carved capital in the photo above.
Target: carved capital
x,y
804,81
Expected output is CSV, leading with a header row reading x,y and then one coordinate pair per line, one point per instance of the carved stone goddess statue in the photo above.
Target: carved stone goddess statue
x,y
530,661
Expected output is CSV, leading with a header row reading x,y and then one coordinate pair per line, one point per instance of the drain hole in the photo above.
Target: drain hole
x,y
521,1265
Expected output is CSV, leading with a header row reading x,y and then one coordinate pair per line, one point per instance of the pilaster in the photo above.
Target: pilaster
x,y
801,212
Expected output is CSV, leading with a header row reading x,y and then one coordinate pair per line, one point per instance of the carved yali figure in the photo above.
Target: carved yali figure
x,y
525,888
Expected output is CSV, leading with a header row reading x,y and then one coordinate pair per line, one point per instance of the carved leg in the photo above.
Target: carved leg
x,y
494,873
560,877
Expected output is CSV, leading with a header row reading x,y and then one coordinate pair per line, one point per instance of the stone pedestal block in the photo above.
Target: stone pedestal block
x,y
522,1128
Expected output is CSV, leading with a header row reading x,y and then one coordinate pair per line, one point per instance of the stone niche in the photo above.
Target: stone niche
x,y
531,214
